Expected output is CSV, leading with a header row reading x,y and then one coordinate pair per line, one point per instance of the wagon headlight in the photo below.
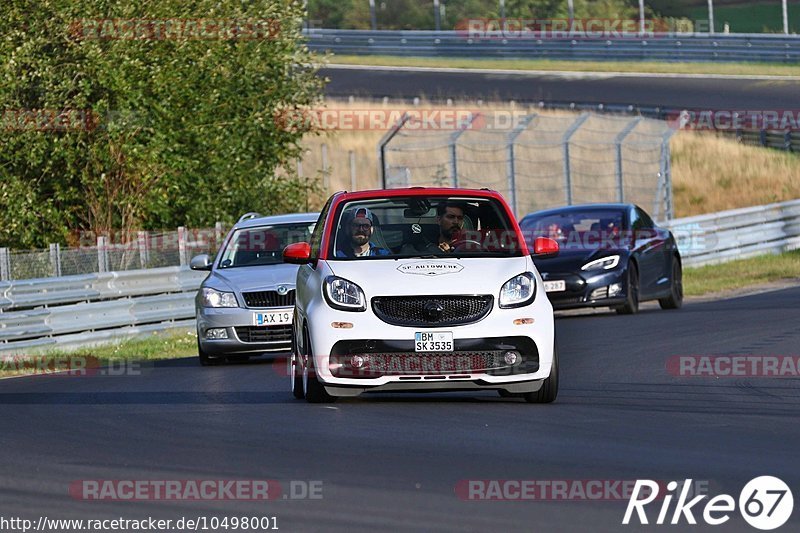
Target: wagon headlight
x,y
214,298
606,263
344,295
518,291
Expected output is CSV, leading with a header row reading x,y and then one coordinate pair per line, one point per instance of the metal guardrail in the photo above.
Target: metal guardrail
x,y
75,311
738,233
94,308
655,47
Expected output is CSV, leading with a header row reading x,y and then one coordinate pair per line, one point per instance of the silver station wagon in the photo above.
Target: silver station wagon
x,y
245,306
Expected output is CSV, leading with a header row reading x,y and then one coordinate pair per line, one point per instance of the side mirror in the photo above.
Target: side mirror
x,y
544,247
201,262
298,253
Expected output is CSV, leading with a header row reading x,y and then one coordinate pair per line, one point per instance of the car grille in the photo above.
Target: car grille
x,y
420,364
264,334
431,311
269,299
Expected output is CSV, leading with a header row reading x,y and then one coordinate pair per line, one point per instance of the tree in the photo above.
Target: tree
x,y
159,115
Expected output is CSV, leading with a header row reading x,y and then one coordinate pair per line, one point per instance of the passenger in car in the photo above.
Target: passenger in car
x,y
359,226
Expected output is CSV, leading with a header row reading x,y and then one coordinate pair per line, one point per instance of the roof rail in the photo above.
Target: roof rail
x,y
248,216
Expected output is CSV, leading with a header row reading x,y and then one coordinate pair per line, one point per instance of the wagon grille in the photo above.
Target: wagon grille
x,y
431,311
264,334
269,299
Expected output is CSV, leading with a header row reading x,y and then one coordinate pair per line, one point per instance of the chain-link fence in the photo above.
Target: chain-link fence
x,y
538,160
111,253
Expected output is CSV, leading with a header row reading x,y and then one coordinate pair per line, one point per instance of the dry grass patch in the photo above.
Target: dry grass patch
x,y
711,173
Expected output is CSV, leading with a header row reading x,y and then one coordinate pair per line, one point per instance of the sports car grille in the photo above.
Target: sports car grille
x,y
269,299
413,363
264,334
431,311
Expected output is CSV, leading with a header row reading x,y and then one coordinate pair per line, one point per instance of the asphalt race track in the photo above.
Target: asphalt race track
x,y
394,461
645,90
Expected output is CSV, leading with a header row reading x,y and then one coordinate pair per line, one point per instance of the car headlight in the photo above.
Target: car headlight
x,y
518,291
214,298
606,263
344,295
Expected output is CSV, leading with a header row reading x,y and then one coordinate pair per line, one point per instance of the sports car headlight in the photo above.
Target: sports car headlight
x,y
344,295
606,263
213,298
518,291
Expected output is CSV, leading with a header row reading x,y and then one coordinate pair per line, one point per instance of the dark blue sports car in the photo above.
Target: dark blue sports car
x,y
611,255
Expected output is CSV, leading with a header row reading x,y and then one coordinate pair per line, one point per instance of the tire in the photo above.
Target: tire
x,y
675,298
631,306
549,390
207,360
296,375
313,390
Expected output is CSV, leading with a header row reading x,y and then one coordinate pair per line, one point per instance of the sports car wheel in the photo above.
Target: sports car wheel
x,y
312,388
675,298
631,306
549,390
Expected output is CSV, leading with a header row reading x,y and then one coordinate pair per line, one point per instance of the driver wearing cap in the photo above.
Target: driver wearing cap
x,y
359,228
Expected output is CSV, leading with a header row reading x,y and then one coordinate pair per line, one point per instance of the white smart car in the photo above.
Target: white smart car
x,y
421,289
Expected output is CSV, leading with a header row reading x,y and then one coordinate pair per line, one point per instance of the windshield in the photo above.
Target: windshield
x,y
577,229
418,226
263,245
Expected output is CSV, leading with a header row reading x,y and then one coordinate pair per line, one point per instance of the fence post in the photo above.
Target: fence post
x,y
664,181
144,255
5,265
453,149
618,143
565,141
55,259
511,167
326,179
102,254
352,157
218,235
382,148
182,246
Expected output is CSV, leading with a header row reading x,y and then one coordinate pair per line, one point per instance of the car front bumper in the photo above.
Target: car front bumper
x,y
584,290
243,337
399,367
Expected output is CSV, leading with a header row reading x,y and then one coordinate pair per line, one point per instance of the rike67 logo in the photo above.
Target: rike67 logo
x,y
765,503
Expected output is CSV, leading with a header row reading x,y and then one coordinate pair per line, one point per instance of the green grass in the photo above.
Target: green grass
x,y
752,69
741,273
158,346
